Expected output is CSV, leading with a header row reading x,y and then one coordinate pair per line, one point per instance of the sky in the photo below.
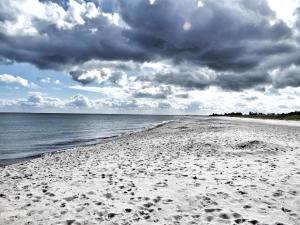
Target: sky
x,y
149,56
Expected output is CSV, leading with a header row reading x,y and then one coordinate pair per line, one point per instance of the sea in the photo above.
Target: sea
x,y
27,135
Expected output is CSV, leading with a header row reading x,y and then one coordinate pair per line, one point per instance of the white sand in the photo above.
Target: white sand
x,y
184,172
292,123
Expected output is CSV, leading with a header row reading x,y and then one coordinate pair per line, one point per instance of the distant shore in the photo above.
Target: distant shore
x,y
188,171
254,115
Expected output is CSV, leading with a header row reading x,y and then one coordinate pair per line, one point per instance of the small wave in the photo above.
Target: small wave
x,y
159,124
9,161
76,141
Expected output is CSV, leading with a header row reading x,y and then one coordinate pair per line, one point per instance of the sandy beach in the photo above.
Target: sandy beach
x,y
190,171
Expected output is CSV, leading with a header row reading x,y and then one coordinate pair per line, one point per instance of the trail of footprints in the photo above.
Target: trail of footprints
x,y
146,208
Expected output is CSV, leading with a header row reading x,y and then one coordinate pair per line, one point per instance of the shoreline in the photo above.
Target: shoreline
x,y
189,171
11,161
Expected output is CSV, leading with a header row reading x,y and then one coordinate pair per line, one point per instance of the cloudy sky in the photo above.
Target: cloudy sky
x,y
149,56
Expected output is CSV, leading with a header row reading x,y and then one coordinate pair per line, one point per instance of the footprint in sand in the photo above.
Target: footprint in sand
x,y
212,210
224,216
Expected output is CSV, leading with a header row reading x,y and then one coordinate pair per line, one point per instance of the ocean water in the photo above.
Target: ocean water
x,y
27,135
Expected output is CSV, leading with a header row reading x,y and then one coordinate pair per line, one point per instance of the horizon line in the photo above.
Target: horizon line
x,y
79,113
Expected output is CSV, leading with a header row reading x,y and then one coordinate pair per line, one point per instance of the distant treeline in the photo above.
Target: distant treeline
x,y
256,114
284,116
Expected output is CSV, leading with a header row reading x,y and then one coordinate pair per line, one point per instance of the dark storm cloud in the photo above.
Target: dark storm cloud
x,y
265,49
187,78
287,78
297,13
238,82
220,36
65,50
184,95
251,98
5,61
76,77
100,77
234,38
57,48
141,94
196,80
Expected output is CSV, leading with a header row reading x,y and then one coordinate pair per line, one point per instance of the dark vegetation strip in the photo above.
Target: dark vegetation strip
x,y
279,116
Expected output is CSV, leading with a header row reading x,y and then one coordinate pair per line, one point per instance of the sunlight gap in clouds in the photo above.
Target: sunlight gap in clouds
x,y
187,25
285,9
200,4
152,2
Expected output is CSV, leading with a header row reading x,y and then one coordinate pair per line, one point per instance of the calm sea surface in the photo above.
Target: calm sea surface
x,y
26,135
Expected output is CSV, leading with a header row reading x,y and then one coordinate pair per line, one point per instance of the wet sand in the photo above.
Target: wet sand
x,y
191,171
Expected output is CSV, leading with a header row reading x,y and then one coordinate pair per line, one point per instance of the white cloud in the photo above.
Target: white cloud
x,y
46,80
112,92
49,80
199,102
80,101
26,11
40,100
56,82
10,79
285,9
